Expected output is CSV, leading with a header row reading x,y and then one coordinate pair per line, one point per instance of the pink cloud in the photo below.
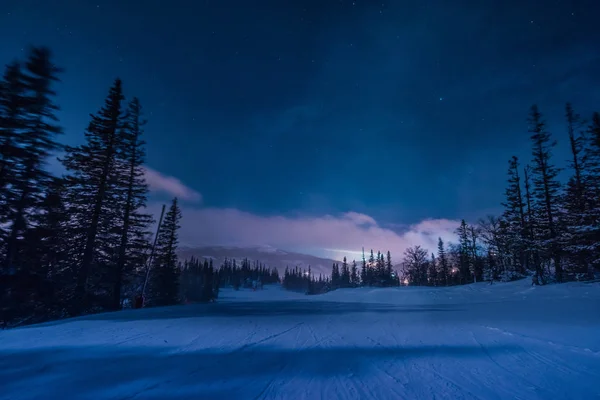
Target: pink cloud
x,y
334,236
157,182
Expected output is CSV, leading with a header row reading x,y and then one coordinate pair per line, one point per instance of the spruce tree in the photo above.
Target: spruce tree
x,y
389,270
335,276
164,284
207,290
380,270
363,270
575,217
47,244
576,142
36,141
591,178
345,273
134,227
514,216
354,279
433,278
533,245
465,259
47,252
93,193
371,269
545,189
12,123
476,261
443,263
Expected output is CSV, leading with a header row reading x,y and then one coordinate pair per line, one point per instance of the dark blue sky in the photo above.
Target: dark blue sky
x,y
402,110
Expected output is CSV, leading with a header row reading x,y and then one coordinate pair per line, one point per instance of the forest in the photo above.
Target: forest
x,y
84,242
81,242
549,230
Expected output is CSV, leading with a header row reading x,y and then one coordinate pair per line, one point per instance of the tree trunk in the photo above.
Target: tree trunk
x,y
88,253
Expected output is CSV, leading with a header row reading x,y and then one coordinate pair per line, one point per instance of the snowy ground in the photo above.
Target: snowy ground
x,y
506,341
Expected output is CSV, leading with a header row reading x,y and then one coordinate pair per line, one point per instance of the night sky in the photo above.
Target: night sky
x,y
281,112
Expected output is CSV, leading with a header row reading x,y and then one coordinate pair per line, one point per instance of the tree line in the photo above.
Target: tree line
x,y
245,273
376,271
549,229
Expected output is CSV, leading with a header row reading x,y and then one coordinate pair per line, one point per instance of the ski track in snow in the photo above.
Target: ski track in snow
x,y
505,341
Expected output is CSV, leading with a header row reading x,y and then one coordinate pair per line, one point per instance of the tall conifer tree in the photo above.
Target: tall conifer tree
x,y
34,133
164,284
545,190
92,190
133,242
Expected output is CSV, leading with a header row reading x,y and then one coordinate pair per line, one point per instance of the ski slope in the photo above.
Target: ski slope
x,y
505,341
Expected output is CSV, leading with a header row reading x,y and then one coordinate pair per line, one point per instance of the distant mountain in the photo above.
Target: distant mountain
x,y
270,256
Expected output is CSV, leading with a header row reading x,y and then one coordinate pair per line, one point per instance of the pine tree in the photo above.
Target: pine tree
x,y
545,189
12,124
576,141
335,276
465,260
380,270
363,271
494,234
354,279
514,216
591,232
533,246
345,274
46,252
575,217
92,191
207,290
433,278
476,260
134,229
370,269
443,263
36,141
389,270
47,244
165,271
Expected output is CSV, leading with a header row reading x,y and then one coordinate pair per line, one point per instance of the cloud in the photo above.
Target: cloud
x,y
157,182
326,235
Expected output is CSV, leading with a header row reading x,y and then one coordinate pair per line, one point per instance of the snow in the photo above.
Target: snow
x,y
505,341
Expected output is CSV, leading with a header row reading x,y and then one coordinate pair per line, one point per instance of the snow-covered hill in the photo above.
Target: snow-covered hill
x,y
272,257
504,341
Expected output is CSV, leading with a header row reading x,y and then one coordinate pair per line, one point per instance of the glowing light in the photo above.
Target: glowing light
x,y
405,281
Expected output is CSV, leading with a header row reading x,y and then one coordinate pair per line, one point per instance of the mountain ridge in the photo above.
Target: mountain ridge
x,y
270,256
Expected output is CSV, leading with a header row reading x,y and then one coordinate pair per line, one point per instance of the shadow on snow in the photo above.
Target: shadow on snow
x,y
267,309
146,372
